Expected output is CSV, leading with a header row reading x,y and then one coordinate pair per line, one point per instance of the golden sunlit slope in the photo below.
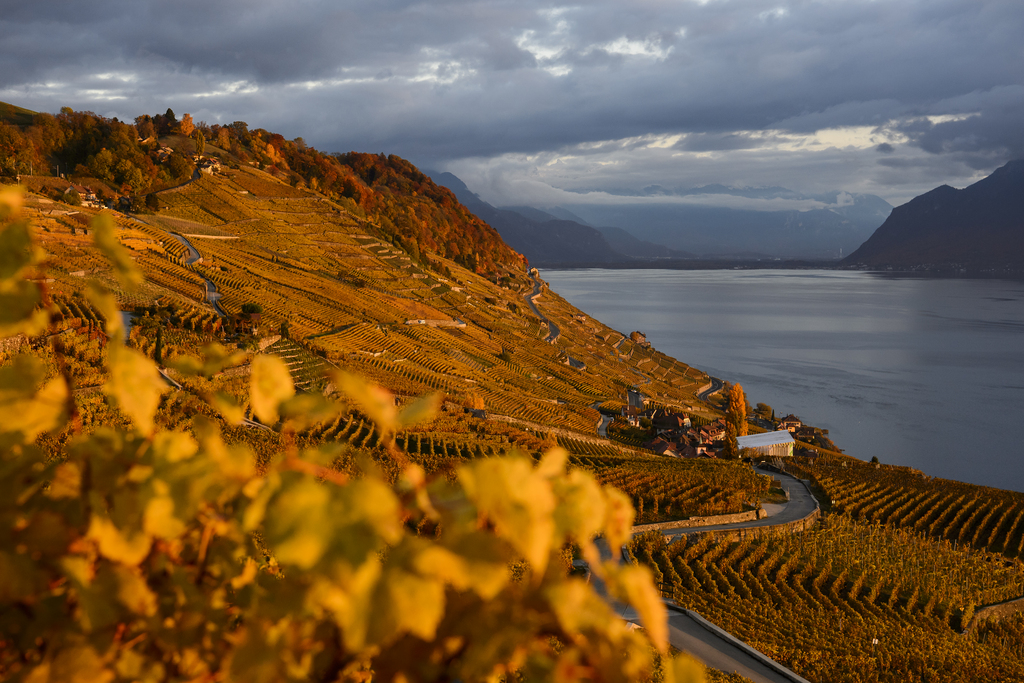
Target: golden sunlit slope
x,y
414,325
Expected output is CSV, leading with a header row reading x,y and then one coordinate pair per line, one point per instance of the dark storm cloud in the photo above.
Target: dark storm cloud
x,y
439,81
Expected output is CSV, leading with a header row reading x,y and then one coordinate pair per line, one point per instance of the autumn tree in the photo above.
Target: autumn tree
x,y
737,410
186,126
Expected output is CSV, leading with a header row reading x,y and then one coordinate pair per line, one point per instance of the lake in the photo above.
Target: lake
x,y
921,372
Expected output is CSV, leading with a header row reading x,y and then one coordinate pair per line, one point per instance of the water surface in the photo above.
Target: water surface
x,y
921,372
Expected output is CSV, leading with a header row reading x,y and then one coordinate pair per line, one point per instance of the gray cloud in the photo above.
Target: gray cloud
x,y
461,82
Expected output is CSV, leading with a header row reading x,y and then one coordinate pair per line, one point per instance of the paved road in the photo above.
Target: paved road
x,y
212,295
716,386
801,503
553,330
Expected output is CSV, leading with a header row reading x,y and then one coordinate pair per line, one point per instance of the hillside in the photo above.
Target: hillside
x,y
360,263
978,228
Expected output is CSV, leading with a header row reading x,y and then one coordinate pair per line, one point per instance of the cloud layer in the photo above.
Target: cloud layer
x,y
887,97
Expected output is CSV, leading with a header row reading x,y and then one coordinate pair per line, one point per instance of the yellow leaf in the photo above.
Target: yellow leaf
x,y
304,410
552,463
106,304
115,546
17,252
159,520
136,384
11,199
67,481
271,384
19,310
247,576
518,501
79,664
103,235
24,409
635,584
174,447
421,410
581,508
618,518
228,407
683,668
376,402
132,591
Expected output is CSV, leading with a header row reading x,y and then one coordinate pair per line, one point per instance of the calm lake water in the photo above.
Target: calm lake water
x,y
921,372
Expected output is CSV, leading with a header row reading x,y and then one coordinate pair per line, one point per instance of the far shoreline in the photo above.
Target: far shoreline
x,y
924,271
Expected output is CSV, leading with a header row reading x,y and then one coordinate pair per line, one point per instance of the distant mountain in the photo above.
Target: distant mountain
x,y
547,239
980,227
840,223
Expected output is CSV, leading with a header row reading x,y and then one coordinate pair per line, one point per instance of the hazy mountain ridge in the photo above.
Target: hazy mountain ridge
x,y
547,238
980,227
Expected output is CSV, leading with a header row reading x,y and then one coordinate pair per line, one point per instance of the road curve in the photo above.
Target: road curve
x,y
212,295
801,503
553,331
716,386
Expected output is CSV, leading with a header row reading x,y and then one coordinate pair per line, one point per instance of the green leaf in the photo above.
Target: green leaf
x,y
103,235
271,385
136,385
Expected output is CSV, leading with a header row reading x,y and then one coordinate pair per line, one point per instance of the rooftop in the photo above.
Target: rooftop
x,y
766,439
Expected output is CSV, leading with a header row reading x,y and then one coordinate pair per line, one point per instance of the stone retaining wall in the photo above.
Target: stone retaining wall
x,y
711,520
755,532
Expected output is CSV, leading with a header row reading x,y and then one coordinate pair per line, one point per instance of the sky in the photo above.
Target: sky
x,y
535,103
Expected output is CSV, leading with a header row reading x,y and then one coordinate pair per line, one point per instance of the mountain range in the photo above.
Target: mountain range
x,y
556,236
980,227
666,226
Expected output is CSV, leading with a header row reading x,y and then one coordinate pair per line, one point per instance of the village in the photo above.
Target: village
x,y
677,434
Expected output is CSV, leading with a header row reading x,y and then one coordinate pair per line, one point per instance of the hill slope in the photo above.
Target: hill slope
x,y
978,228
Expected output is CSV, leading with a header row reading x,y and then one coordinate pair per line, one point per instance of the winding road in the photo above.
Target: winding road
x,y
212,295
553,331
801,503
716,386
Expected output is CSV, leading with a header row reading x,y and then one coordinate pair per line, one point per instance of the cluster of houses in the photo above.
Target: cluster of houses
x,y
675,434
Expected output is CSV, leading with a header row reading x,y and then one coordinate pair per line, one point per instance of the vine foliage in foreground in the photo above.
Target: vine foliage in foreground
x,y
164,555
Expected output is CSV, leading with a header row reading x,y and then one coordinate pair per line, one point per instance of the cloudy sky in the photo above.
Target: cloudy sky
x,y
533,103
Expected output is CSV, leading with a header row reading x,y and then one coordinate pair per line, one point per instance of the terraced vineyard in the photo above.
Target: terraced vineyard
x,y
815,602
962,515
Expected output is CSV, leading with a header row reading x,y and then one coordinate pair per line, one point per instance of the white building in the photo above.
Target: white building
x,y
775,444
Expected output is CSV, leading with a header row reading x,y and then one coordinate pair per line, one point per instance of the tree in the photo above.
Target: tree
x,y
731,449
737,410
186,126
200,141
249,308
